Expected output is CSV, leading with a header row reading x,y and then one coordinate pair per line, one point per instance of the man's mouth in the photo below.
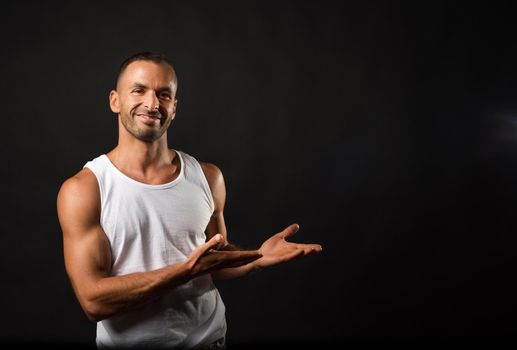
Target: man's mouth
x,y
148,118
149,115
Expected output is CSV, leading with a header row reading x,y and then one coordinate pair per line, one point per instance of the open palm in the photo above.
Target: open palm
x,y
276,249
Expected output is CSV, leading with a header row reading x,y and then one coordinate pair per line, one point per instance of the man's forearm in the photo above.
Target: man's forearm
x,y
235,272
111,295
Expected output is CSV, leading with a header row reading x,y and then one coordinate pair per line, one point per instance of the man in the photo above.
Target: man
x,y
143,227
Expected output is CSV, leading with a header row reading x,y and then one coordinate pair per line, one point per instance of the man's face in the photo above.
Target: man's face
x,y
145,99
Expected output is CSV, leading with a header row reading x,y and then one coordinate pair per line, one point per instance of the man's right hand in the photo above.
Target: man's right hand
x,y
206,258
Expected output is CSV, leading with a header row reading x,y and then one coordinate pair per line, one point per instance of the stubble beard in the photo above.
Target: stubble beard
x,y
142,133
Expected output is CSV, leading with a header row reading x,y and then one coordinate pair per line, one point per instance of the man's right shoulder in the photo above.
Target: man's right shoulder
x,y
83,183
78,204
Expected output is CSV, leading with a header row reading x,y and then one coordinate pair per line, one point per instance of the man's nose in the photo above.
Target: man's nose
x,y
152,102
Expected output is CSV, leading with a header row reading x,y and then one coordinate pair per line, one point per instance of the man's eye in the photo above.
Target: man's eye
x,y
138,91
165,96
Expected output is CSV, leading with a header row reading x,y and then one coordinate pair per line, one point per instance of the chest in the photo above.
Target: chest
x,y
167,214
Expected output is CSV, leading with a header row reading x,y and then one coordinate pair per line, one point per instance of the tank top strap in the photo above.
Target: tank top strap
x,y
193,172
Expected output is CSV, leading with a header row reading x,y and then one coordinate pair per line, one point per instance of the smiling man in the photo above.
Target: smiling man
x,y
143,227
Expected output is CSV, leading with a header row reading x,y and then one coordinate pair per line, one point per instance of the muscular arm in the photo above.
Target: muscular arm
x,y
88,258
274,250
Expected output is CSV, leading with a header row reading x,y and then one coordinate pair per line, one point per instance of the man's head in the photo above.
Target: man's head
x,y
145,95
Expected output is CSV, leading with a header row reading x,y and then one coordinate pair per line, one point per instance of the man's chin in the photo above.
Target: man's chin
x,y
144,133
147,136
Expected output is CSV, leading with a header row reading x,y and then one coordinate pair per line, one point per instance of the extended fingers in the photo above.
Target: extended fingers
x,y
211,244
310,248
295,253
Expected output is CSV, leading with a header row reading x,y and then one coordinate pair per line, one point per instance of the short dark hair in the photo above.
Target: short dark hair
x,y
155,57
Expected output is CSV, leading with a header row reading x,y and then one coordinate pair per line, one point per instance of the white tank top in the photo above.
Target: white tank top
x,y
150,227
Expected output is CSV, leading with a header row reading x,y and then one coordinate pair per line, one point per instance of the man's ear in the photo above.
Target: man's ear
x,y
174,108
114,101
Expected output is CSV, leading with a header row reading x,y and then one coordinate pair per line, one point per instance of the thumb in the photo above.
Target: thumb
x,y
290,230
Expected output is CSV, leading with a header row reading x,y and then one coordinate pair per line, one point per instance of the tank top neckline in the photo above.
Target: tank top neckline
x,y
142,184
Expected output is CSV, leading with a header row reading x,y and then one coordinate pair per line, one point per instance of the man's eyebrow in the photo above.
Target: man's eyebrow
x,y
139,85
143,86
165,89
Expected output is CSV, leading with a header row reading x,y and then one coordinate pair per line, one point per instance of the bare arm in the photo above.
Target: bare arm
x,y
274,250
88,256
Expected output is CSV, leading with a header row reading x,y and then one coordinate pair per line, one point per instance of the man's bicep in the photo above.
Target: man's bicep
x,y
87,259
86,248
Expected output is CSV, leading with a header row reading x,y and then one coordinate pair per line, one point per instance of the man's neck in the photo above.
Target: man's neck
x,y
138,157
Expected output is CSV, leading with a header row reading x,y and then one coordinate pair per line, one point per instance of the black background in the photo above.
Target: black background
x,y
387,130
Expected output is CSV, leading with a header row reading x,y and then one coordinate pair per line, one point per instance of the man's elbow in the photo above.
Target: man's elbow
x,y
94,311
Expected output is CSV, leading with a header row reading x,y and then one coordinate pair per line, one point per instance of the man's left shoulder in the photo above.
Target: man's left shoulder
x,y
211,171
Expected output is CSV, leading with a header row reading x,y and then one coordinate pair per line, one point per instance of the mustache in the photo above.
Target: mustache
x,y
153,113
